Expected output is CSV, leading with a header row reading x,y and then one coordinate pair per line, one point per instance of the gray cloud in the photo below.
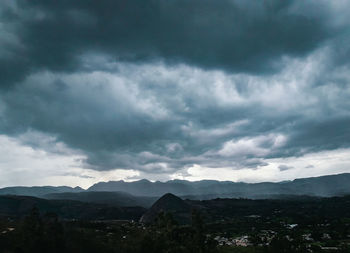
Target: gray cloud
x,y
283,167
139,119
232,35
159,86
77,175
309,166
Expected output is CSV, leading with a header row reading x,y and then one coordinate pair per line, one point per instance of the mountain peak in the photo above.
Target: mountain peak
x,y
169,197
168,203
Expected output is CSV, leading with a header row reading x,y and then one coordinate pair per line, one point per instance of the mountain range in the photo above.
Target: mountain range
x,y
324,186
144,192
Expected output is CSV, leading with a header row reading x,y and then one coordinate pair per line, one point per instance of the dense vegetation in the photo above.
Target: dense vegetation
x,y
36,233
17,206
220,225
48,233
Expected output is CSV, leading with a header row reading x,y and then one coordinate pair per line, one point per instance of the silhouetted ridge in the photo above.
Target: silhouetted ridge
x,y
18,206
324,186
37,191
110,198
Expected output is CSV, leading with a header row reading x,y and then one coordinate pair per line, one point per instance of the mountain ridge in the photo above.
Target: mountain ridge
x,y
121,199
323,186
19,206
37,191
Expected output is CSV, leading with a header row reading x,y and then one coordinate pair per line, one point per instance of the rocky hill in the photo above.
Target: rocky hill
x,y
169,203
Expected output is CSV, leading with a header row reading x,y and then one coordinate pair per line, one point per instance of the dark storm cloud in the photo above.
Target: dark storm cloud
x,y
88,119
233,35
324,134
141,118
158,86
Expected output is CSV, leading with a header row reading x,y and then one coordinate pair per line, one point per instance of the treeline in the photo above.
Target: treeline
x,y
46,233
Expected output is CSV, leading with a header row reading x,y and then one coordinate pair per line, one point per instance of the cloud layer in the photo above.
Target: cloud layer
x,y
159,88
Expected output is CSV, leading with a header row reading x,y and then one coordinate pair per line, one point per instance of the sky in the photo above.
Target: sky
x,y
233,90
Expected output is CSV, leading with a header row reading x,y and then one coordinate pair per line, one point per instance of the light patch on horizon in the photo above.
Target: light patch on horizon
x,y
19,162
310,165
23,165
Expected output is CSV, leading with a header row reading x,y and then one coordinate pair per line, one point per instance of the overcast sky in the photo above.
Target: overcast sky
x,y
179,89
